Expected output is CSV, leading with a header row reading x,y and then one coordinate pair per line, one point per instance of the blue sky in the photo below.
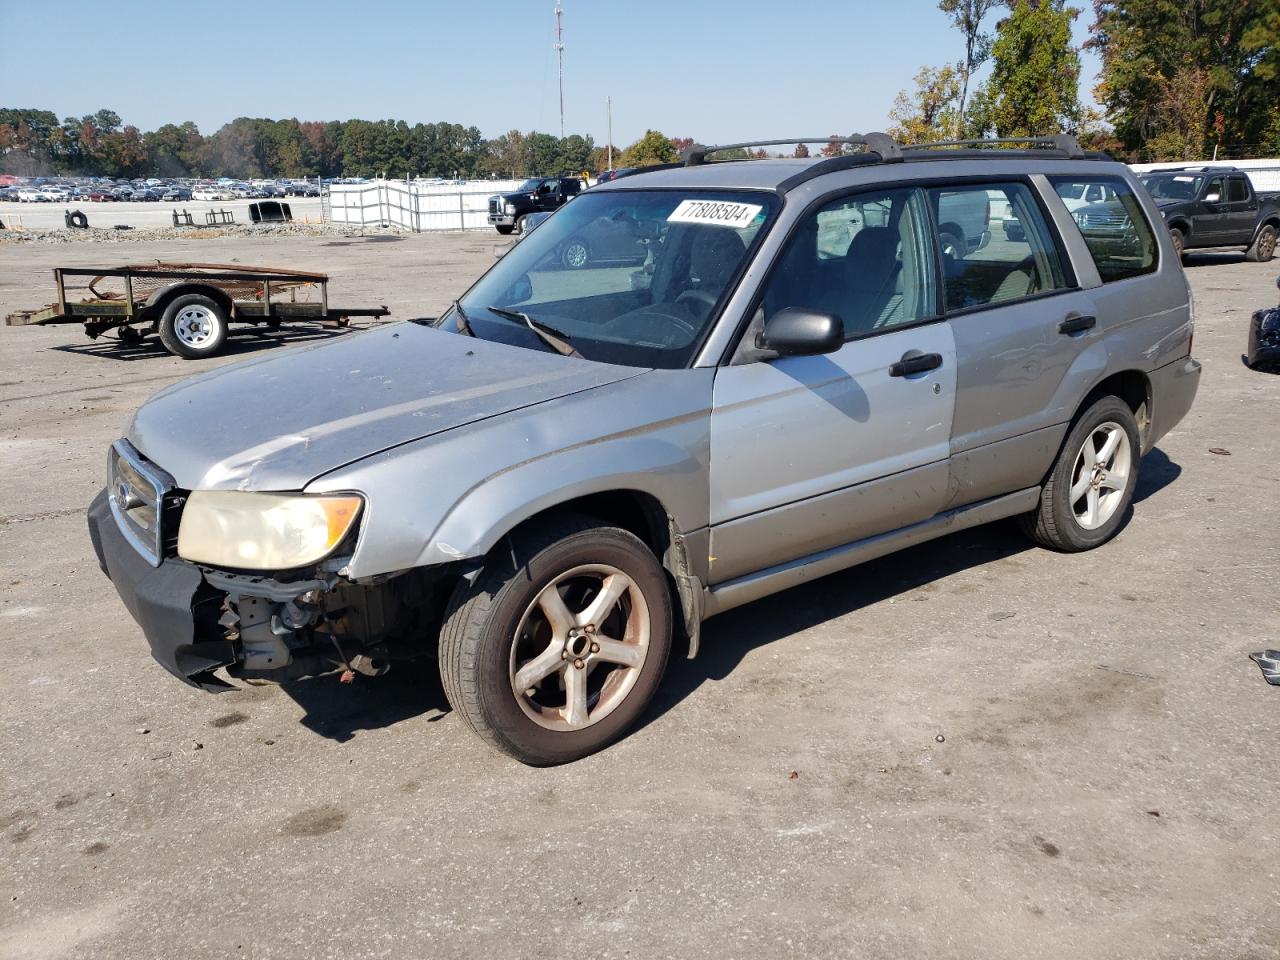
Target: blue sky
x,y
715,70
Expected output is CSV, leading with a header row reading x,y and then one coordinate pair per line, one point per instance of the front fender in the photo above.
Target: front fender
x,y
454,496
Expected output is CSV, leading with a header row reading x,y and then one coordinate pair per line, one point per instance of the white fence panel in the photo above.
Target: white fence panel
x,y
416,205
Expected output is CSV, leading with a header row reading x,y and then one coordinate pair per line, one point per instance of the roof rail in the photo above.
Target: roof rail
x,y
1068,144
881,144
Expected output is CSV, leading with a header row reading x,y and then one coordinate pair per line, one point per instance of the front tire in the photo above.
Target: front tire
x,y
1084,501
504,229
1179,242
1264,247
193,326
559,645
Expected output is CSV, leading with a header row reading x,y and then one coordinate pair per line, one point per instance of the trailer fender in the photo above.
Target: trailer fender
x,y
161,298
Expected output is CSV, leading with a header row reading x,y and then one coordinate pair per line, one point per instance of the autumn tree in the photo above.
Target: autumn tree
x,y
1033,90
933,111
653,147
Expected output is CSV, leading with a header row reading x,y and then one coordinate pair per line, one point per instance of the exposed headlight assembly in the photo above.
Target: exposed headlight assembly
x,y
509,207
263,531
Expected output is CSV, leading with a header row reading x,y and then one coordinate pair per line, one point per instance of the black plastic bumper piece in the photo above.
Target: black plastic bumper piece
x,y
162,600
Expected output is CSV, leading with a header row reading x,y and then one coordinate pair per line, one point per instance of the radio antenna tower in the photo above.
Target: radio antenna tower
x,y
560,53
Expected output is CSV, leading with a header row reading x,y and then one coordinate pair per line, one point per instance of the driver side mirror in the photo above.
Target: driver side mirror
x,y
801,332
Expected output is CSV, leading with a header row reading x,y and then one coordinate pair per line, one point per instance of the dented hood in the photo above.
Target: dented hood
x,y
278,422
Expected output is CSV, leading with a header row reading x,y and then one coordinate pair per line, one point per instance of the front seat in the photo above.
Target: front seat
x,y
870,278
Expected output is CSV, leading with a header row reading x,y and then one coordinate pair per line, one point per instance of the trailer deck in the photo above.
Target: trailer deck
x,y
136,298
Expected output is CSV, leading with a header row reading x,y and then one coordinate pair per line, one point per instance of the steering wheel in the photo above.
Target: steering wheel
x,y
680,322
697,296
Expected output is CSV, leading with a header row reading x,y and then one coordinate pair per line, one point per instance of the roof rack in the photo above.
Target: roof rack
x,y
1068,144
884,146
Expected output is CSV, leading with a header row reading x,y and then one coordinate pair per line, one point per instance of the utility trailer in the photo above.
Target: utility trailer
x,y
190,306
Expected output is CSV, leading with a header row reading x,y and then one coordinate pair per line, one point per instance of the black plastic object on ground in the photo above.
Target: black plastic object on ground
x,y
74,219
1269,662
270,211
1264,340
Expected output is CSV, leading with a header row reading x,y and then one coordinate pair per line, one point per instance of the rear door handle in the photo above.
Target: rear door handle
x,y
917,364
1077,325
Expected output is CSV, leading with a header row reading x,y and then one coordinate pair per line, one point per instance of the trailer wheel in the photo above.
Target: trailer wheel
x,y
193,326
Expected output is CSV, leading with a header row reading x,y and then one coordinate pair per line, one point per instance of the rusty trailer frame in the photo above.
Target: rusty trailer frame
x,y
253,295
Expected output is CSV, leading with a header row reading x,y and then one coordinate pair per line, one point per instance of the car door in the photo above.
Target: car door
x,y
1019,321
812,452
1242,209
1210,225
547,195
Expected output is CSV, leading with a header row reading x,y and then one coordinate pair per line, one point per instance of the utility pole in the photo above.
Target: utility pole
x,y
609,145
560,52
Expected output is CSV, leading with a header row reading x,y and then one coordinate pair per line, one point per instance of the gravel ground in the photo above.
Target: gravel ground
x,y
971,749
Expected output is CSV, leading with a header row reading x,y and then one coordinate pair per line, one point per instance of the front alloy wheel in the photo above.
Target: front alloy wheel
x,y
558,645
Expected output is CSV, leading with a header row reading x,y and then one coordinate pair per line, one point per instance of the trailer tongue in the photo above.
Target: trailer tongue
x,y
189,305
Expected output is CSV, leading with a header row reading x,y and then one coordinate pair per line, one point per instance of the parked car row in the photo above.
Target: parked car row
x,y
104,190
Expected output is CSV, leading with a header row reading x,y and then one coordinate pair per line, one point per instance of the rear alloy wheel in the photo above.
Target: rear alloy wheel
x,y
1083,503
1264,247
575,255
193,326
559,645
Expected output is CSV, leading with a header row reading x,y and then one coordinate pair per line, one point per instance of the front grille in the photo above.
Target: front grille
x,y
142,500
1104,221
494,204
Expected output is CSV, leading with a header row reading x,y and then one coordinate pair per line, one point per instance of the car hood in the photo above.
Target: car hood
x,y
277,423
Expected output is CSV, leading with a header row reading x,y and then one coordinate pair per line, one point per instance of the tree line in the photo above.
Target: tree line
x,y
1180,79
33,142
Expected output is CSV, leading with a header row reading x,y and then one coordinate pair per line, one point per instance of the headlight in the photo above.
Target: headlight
x,y
263,531
509,207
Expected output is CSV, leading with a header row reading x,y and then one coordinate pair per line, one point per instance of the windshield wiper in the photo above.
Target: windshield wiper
x,y
461,320
555,339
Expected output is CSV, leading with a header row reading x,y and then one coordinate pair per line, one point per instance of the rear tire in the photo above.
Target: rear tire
x,y
193,326
1264,247
1086,497
498,634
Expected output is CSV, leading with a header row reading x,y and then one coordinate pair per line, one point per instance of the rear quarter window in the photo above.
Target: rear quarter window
x,y
1115,229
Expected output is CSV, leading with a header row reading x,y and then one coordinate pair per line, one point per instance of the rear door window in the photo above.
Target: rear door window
x,y
1239,192
1116,231
982,267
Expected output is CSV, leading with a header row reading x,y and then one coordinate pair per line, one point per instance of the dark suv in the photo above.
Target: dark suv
x,y
507,210
1215,207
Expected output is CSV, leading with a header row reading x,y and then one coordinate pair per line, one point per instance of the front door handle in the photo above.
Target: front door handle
x,y
917,364
1077,325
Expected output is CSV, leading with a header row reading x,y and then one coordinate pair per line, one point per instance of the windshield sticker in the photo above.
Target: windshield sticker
x,y
721,213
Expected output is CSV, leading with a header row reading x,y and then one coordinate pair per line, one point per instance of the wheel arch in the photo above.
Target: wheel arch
x,y
1181,224
1134,388
643,514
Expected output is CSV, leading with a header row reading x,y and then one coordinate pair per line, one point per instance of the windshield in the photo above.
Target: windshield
x,y
632,277
1173,186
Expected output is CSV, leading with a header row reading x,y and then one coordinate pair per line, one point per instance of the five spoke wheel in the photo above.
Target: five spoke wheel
x,y
580,647
1101,475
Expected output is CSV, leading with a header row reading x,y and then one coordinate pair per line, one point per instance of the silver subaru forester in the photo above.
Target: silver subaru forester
x,y
691,387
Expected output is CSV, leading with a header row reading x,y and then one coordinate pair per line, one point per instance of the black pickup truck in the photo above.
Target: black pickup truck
x,y
1216,207
507,210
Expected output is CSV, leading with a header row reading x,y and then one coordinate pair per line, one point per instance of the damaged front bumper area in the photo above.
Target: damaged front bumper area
x,y
198,620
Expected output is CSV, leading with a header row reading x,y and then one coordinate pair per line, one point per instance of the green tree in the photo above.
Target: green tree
x,y
174,150
653,147
1034,86
1181,77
